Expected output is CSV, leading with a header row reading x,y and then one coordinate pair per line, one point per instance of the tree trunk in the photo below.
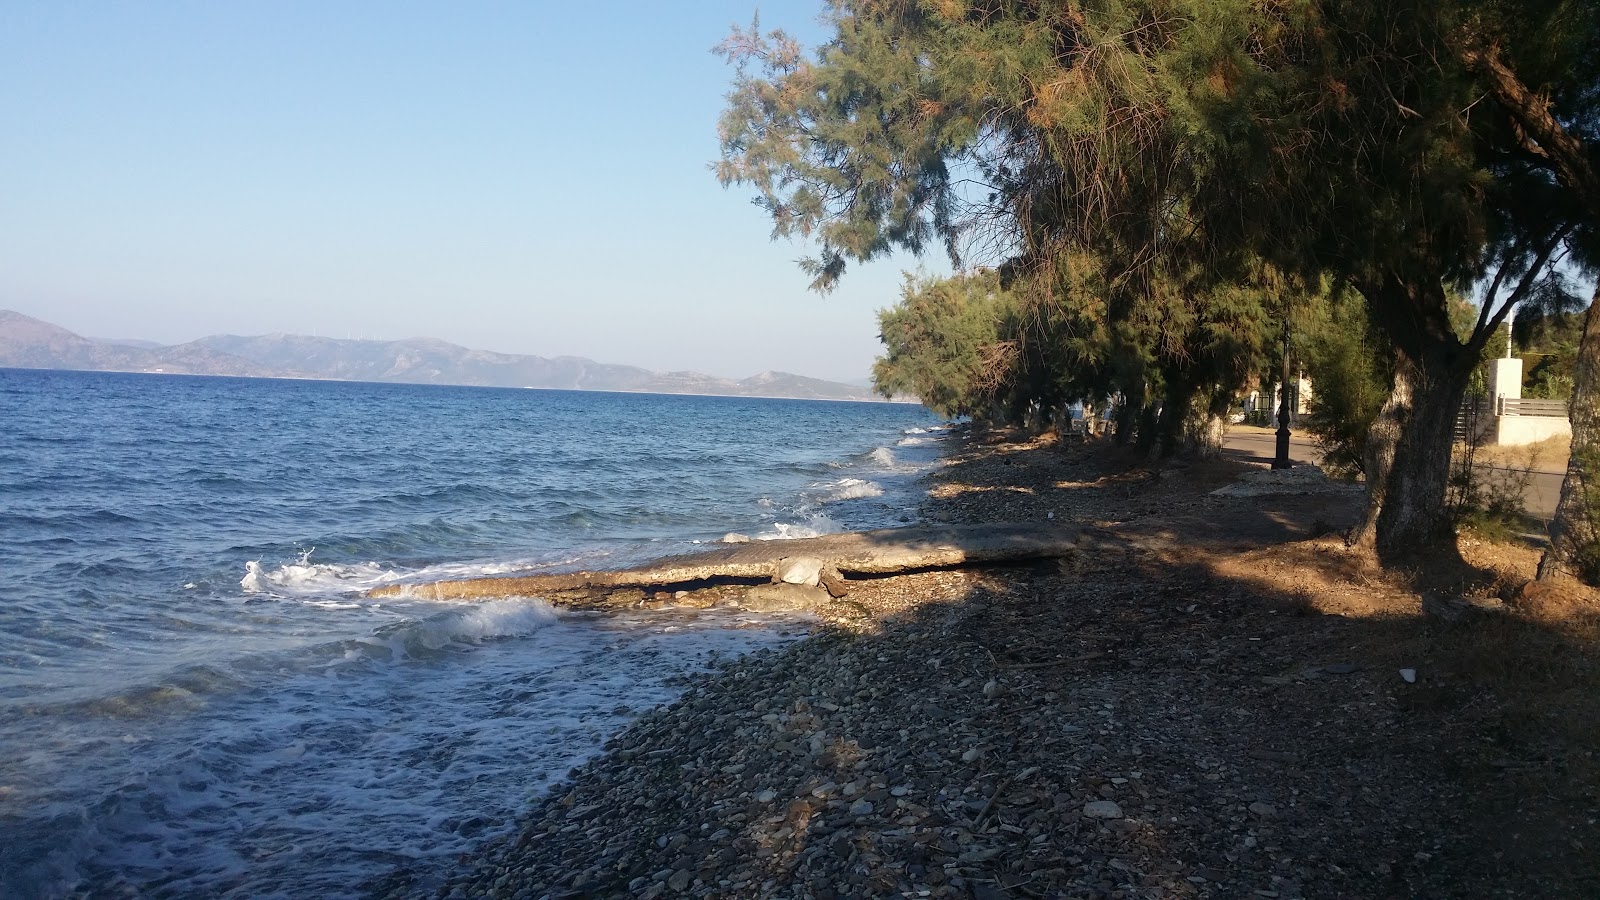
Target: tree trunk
x,y
1127,414
1207,427
1175,409
1412,514
1574,540
1378,454
1408,449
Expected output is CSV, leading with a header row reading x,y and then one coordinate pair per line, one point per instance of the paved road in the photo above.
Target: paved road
x,y
1254,444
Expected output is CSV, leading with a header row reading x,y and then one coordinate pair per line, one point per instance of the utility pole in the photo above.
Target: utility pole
x,y
1281,460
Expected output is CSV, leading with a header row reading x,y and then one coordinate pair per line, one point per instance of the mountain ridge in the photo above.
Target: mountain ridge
x,y
27,342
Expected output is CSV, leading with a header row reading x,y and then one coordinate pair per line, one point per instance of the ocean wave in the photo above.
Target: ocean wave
x,y
848,489
494,620
308,579
815,526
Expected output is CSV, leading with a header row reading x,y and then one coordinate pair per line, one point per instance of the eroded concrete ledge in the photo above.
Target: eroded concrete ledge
x,y
886,551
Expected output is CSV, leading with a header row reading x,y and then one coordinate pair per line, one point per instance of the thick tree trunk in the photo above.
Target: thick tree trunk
x,y
1412,517
1378,454
1206,425
1175,409
1408,451
1574,539
1123,427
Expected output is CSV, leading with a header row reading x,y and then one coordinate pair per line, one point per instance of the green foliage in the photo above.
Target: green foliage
x,y
1350,374
1159,182
1548,346
944,343
969,347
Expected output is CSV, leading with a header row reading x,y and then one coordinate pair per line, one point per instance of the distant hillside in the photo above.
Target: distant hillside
x,y
29,343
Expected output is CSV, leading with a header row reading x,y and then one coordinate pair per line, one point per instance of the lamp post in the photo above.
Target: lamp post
x,y
1281,460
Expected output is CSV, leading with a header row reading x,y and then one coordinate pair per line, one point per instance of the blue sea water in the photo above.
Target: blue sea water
x,y
197,700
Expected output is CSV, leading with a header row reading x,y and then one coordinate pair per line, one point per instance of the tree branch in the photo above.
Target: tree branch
x,y
1544,135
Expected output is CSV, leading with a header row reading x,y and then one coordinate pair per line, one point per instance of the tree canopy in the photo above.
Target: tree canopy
x,y
1212,163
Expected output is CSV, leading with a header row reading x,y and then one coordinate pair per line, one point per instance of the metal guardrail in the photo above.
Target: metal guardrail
x,y
1509,406
1467,418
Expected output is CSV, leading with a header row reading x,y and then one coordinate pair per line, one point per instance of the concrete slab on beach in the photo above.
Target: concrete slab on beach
x,y
882,552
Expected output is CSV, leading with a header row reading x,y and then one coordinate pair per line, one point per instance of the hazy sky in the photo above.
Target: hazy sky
x,y
523,177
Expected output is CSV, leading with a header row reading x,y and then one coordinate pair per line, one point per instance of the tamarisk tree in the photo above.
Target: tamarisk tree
x,y
1539,64
1187,147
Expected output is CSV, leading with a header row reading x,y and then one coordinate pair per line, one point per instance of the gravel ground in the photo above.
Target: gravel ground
x,y
1141,721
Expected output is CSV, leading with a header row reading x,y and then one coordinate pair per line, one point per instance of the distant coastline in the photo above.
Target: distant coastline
x,y
29,343
912,401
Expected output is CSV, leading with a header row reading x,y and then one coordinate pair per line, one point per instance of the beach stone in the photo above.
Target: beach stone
x,y
1102,809
833,580
679,880
805,570
782,597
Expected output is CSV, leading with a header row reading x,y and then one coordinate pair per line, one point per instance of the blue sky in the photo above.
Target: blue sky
x,y
522,177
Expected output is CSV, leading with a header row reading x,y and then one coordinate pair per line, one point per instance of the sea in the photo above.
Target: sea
x,y
196,697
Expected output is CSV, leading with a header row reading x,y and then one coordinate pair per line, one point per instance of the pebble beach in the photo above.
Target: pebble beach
x,y
1204,706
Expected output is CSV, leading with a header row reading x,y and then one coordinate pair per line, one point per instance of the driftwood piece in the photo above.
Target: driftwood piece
x,y
883,552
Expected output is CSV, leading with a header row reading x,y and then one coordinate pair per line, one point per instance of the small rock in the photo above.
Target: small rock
x,y
993,689
1263,809
973,755
861,808
766,796
834,582
1410,675
1102,809
679,880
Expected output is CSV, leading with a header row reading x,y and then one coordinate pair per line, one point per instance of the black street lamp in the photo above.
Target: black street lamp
x,y
1281,461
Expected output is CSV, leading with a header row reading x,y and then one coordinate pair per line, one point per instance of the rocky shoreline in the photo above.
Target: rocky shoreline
x,y
1186,712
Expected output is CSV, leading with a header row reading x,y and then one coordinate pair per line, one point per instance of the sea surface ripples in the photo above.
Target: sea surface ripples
x,y
196,698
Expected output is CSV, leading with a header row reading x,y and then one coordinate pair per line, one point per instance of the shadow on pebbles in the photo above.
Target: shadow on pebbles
x,y
1121,724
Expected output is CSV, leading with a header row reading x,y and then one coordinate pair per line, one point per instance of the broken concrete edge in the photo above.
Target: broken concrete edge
x,y
872,553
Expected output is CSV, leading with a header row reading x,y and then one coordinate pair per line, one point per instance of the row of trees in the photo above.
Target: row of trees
x,y
970,345
1158,178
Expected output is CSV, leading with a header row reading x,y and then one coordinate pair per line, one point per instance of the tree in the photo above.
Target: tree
x,y
1148,134
1540,62
945,343
1346,361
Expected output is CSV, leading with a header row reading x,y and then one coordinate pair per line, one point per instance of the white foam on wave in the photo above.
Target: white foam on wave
x,y
307,579
473,625
304,579
883,456
814,526
849,489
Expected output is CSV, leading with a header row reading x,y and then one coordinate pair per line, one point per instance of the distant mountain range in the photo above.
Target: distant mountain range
x,y
29,343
